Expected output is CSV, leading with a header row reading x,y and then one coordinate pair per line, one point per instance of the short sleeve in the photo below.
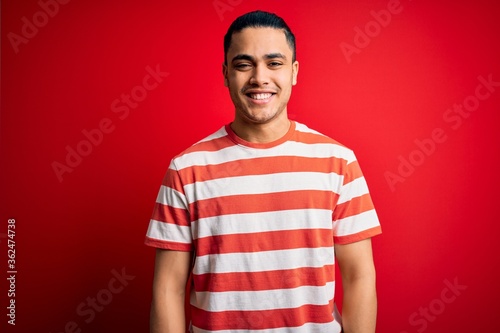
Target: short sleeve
x,y
170,227
354,217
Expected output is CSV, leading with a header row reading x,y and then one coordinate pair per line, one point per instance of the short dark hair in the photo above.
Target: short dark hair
x,y
259,19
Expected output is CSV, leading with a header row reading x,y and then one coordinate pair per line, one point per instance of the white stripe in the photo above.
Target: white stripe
x,y
350,157
173,198
356,223
219,134
264,261
264,299
332,327
261,184
262,222
289,148
169,232
303,128
354,189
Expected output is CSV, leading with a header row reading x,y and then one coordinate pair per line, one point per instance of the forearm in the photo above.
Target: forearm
x,y
169,292
359,306
167,313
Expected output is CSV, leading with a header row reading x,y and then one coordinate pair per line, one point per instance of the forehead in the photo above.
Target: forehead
x,y
259,41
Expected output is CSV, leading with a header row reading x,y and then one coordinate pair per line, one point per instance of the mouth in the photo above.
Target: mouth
x,y
260,98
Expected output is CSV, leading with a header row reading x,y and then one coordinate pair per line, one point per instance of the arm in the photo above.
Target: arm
x,y
359,306
169,289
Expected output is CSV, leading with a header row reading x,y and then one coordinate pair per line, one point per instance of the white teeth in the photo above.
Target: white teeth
x,y
261,96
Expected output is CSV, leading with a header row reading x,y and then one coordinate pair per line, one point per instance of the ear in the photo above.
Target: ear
x,y
295,72
224,72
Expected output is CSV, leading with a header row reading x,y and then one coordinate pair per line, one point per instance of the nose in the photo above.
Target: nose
x,y
260,75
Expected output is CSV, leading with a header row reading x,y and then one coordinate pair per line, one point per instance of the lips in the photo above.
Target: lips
x,y
260,96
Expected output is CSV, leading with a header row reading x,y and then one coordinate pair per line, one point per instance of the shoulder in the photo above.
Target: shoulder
x,y
209,145
309,136
208,142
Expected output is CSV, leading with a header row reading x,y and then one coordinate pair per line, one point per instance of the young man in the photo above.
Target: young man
x,y
258,212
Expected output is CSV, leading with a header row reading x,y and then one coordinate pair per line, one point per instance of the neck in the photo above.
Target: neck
x,y
261,133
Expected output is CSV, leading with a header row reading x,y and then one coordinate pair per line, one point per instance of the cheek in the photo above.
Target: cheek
x,y
287,83
236,82
234,88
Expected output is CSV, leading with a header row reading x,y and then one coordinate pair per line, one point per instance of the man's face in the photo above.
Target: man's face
x,y
260,74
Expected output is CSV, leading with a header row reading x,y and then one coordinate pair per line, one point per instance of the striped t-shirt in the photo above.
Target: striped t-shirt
x,y
262,221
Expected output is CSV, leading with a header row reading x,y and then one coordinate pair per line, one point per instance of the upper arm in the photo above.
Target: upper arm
x,y
355,259
171,271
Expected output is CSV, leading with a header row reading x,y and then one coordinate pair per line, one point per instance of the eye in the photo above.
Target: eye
x,y
243,66
275,64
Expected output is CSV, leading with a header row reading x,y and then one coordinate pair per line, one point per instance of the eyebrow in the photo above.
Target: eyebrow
x,y
251,58
274,56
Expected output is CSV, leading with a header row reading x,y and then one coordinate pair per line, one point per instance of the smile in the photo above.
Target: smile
x,y
260,96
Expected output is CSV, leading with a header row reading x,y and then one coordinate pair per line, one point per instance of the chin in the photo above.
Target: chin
x,y
262,119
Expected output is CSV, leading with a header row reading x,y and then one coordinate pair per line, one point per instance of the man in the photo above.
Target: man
x,y
258,212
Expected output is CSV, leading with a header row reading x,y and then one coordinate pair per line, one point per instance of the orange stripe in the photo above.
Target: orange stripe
x,y
312,138
267,202
352,207
353,172
368,233
210,145
263,319
265,241
172,180
168,214
261,166
269,280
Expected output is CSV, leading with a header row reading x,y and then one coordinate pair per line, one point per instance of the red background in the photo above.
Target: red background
x,y
71,233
